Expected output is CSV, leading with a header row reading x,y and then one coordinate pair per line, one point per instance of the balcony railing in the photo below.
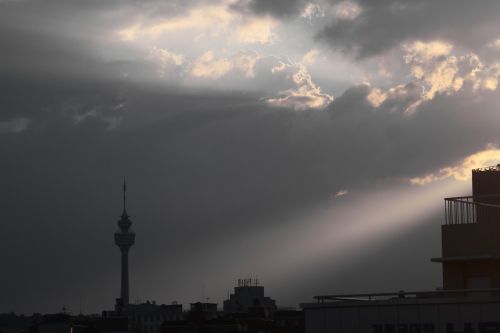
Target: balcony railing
x,y
472,209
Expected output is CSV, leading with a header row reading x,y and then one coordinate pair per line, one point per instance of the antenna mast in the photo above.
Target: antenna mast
x,y
124,194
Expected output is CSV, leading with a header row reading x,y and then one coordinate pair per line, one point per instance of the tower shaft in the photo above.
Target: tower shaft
x,y
124,278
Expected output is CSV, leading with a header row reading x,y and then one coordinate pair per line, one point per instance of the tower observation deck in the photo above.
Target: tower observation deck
x,y
124,239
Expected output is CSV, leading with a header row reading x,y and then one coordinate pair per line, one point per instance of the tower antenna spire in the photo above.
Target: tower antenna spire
x,y
124,196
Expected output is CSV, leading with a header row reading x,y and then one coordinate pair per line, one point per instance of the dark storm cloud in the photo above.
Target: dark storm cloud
x,y
44,78
385,24
280,8
203,170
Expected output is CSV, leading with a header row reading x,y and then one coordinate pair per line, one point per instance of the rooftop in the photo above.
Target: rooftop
x,y
488,168
403,297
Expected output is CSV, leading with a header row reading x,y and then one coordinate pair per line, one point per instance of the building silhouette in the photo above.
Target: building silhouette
x,y
148,317
470,244
249,296
246,311
124,239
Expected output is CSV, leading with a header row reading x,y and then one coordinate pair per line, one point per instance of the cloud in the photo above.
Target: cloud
x,y
246,62
256,30
129,34
16,125
384,25
207,66
347,10
431,65
376,97
305,95
403,97
310,57
437,70
82,111
341,193
165,59
312,11
215,18
495,44
462,171
281,82
421,52
277,8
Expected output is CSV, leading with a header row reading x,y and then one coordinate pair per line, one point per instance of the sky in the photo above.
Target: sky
x,y
306,143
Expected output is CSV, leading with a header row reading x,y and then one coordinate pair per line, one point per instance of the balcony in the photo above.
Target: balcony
x,y
472,209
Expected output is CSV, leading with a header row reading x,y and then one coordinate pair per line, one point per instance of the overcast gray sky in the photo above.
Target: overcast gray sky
x,y
309,143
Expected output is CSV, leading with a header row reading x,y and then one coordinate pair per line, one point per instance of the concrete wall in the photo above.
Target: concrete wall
x,y
486,183
474,239
470,240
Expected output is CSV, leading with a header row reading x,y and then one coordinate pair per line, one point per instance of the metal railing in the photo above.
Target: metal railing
x,y
407,294
472,209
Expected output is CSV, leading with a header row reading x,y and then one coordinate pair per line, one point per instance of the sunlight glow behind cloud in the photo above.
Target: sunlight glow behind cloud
x,y
256,30
215,18
207,66
164,59
310,57
305,95
462,171
436,70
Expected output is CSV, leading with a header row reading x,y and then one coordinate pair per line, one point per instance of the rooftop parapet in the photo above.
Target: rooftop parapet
x,y
487,169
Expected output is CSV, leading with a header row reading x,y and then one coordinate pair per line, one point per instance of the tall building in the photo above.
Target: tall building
x,y
124,239
470,245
